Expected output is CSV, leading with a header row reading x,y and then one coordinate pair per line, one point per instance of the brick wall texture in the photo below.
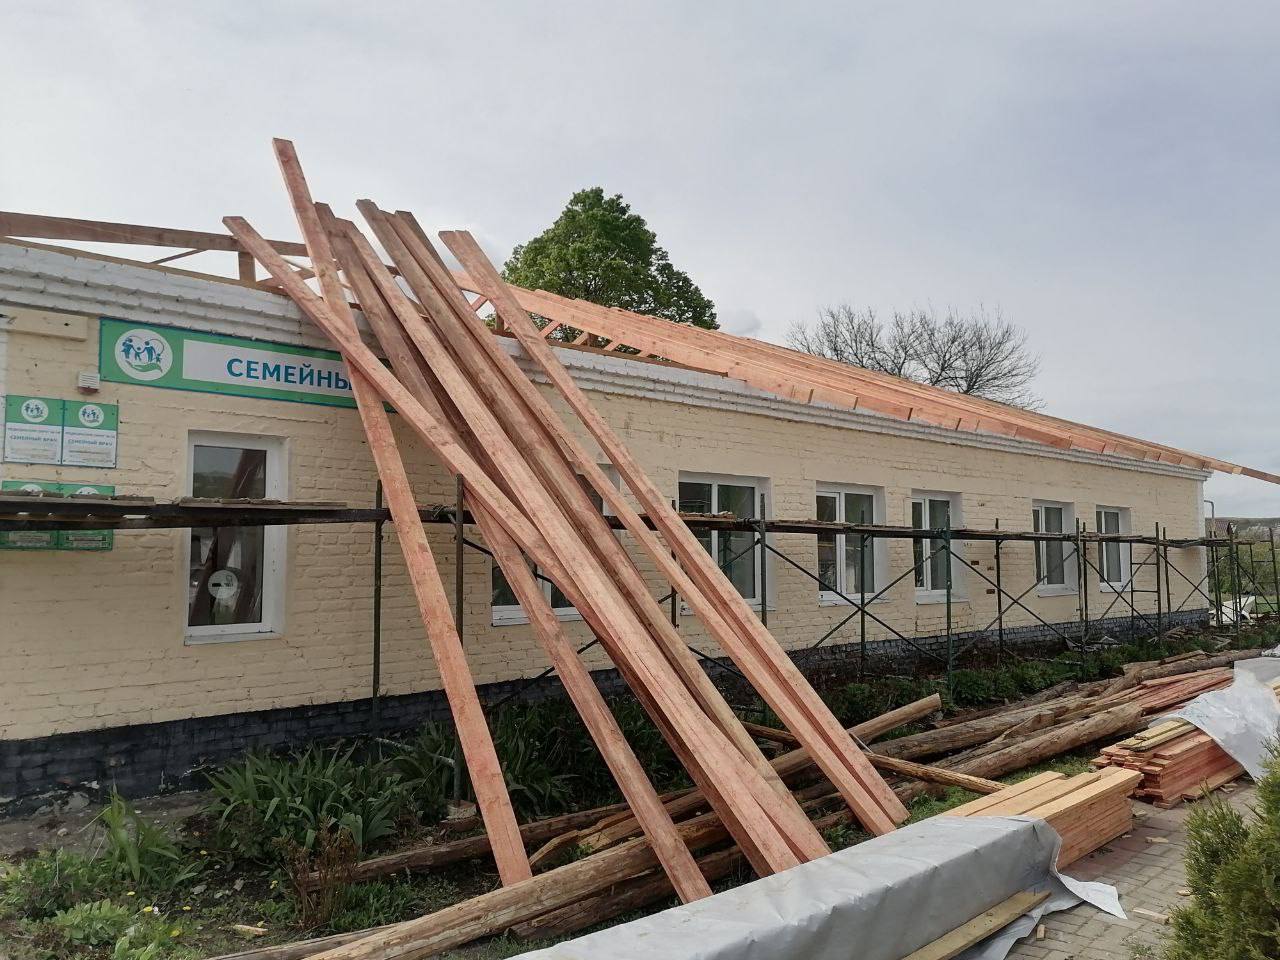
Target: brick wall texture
x,y
96,640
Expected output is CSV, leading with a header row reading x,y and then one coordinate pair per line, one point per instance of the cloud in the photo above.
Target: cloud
x,y
743,322
1104,174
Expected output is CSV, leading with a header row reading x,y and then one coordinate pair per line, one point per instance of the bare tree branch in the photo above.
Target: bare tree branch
x,y
983,355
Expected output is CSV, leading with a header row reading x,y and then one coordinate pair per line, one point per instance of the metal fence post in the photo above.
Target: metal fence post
x,y
862,601
1159,588
1275,575
375,705
951,647
1235,578
762,526
999,601
458,582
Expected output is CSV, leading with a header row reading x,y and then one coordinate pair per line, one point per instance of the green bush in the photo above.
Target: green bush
x,y
263,801
54,880
92,924
1233,872
141,852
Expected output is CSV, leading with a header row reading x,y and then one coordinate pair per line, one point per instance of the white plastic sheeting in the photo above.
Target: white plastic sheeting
x,y
1243,717
879,900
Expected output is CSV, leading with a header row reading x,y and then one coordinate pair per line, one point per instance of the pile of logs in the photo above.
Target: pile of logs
x,y
1175,760
1087,811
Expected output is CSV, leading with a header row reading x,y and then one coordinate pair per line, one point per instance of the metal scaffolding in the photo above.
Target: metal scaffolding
x,y
1228,568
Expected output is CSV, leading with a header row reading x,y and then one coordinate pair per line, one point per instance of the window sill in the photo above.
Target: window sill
x,y
200,639
518,618
1057,591
1106,587
929,597
831,601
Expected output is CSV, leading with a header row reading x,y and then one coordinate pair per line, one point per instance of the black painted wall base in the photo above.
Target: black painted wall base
x,y
151,758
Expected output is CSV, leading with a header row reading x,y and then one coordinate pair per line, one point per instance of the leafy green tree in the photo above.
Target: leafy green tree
x,y
1233,872
599,250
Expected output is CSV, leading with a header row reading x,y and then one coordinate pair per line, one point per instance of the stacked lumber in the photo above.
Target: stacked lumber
x,y
1087,810
1175,760
1183,768
528,482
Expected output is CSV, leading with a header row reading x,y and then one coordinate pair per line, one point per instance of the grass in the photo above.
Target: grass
x,y
176,893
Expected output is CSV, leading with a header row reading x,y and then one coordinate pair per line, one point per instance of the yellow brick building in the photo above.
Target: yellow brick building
x,y
142,659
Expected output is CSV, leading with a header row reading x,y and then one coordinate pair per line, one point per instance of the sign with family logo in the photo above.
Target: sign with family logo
x,y
94,540
32,429
73,433
90,432
178,359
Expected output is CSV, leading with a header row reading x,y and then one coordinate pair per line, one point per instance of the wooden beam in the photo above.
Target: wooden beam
x,y
980,927
39,227
618,617
599,720
766,666
433,604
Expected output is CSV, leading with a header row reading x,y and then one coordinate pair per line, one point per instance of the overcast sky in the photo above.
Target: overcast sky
x,y
1105,174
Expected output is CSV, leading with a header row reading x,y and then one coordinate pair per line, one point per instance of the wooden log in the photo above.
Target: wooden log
x,y
919,771
1054,742
498,910
760,731
788,766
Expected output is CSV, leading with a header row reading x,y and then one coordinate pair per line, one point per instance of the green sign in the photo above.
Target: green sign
x,y
86,539
32,429
30,539
60,539
179,359
89,433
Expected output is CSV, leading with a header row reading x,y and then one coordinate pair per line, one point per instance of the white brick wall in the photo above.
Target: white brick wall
x,y
93,640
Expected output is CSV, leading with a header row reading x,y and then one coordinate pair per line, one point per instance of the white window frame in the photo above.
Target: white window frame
x,y
274,542
1123,525
513,614
1070,566
879,555
760,487
929,593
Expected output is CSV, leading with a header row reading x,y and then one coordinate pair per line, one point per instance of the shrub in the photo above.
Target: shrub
x,y
92,924
54,880
141,852
262,801
1233,872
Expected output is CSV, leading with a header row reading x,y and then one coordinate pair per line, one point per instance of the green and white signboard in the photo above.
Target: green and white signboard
x,y
61,539
32,429
73,433
178,359
89,433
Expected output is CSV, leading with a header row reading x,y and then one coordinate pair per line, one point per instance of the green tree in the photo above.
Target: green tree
x,y
599,250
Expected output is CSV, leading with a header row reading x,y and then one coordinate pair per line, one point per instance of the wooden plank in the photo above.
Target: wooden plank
x,y
599,720
433,604
402,238
979,807
40,227
980,927
769,670
754,801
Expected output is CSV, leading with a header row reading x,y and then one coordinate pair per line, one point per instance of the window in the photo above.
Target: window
x,y
842,562
732,549
932,511
507,610
1055,567
1112,565
234,573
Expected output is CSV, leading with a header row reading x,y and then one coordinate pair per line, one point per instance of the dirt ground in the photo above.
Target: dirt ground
x,y
72,828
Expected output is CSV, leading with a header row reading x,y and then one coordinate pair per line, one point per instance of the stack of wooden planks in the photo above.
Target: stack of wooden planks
x,y
1175,760
529,482
1087,810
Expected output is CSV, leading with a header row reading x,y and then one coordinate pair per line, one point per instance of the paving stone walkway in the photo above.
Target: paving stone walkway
x,y
1146,867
